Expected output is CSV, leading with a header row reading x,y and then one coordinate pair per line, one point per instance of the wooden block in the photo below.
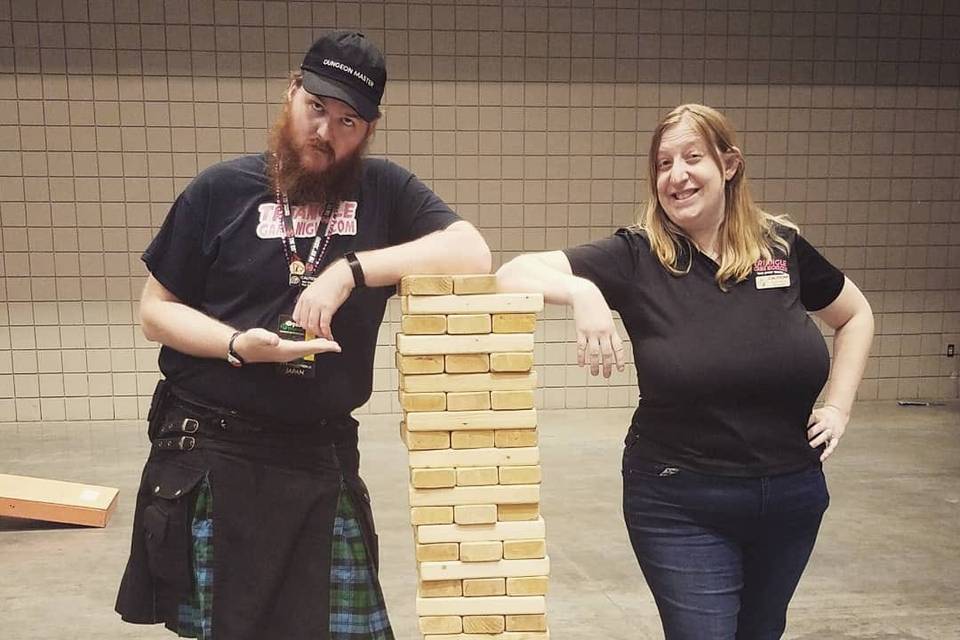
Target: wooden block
x,y
469,420
524,549
426,285
497,494
481,551
473,284
479,303
484,587
475,513
527,586
468,401
511,399
470,439
469,382
515,438
56,501
514,322
501,605
517,361
413,365
487,343
526,530
431,515
472,323
535,622
440,589
423,325
455,569
512,512
470,476
520,475
467,363
434,401
476,457
441,624
439,552
425,440
484,624
433,478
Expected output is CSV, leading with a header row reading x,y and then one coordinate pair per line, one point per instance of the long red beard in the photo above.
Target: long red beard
x,y
302,184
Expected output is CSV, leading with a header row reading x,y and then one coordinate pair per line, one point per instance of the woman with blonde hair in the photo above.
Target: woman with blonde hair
x,y
723,490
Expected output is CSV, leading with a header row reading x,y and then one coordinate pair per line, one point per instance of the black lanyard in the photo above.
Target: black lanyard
x,y
302,274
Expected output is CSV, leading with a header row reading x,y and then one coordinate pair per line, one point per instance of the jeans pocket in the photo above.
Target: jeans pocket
x,y
645,468
166,521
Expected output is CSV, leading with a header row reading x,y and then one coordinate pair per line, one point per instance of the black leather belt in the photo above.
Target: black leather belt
x,y
185,422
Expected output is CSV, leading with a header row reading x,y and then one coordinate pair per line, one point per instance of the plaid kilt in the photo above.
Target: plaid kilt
x,y
357,608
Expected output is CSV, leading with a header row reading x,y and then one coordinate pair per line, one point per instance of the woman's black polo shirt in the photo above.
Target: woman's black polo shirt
x,y
727,380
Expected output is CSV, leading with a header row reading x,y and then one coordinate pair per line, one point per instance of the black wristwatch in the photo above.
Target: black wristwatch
x,y
357,270
232,356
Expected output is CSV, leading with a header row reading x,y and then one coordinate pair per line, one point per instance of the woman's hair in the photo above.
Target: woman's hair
x,y
747,232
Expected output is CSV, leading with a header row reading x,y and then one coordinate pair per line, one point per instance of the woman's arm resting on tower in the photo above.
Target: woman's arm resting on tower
x,y
549,273
851,318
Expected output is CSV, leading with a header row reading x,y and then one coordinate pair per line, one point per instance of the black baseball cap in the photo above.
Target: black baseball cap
x,y
346,66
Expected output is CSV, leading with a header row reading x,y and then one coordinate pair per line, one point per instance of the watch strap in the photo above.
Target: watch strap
x,y
356,268
232,356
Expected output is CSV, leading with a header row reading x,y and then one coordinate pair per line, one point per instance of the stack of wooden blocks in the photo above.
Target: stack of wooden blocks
x,y
467,385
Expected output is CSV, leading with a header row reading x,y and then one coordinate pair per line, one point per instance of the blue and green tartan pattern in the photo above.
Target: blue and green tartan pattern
x,y
357,608
196,616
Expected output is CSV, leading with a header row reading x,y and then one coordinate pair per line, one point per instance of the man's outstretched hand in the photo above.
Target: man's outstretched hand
x,y
260,345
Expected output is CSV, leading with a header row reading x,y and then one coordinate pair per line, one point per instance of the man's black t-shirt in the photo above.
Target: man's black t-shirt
x,y
727,379
220,251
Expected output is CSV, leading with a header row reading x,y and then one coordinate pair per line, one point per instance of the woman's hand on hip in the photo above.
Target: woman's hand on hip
x,y
825,427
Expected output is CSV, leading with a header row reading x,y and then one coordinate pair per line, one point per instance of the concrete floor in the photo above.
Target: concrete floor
x,y
887,565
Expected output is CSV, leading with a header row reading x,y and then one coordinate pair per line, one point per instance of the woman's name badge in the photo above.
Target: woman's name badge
x,y
772,274
773,281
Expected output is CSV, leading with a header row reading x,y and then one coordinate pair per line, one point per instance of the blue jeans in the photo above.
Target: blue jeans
x,y
721,555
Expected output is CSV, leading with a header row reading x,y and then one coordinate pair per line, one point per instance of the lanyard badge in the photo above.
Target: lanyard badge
x,y
301,273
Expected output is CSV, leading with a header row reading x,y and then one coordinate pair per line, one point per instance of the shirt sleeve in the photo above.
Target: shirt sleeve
x,y
820,281
610,263
418,211
177,257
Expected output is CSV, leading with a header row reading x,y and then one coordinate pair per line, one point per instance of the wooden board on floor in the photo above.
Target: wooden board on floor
x,y
56,501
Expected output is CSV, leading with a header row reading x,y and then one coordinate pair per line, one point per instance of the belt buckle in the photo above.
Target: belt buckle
x,y
187,443
190,425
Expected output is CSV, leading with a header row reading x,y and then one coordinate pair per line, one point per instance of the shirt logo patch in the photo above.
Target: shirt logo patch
x,y
772,274
306,220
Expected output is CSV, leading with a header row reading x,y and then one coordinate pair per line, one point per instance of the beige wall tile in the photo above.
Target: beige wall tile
x,y
521,117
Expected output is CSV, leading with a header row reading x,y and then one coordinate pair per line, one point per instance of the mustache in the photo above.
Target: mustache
x,y
321,145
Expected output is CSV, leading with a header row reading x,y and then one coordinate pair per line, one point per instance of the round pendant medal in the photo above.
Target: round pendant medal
x,y
297,268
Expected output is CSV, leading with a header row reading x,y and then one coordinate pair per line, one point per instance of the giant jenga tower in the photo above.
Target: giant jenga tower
x,y
465,354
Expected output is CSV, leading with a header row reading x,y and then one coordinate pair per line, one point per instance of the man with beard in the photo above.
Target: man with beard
x,y
268,282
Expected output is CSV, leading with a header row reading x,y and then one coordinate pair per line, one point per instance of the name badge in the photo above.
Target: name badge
x,y
773,281
301,367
